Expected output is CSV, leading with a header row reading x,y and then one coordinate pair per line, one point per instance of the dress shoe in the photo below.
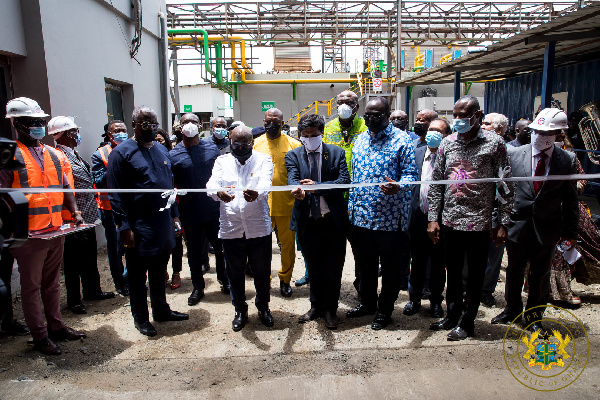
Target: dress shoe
x,y
411,308
101,296
436,310
331,320
443,325
171,316
285,289
77,309
381,321
302,281
239,320
46,346
488,300
205,268
65,333
123,290
266,318
145,328
14,328
195,297
226,289
537,326
360,310
502,318
310,315
459,333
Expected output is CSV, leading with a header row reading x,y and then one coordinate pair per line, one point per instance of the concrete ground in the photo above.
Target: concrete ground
x,y
204,358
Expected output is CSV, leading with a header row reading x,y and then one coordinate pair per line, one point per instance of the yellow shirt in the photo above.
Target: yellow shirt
x,y
280,203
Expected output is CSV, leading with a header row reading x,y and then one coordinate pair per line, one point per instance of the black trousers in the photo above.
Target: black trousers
x,y
197,236
6,266
372,248
423,251
81,265
540,261
137,268
474,246
324,249
177,255
258,252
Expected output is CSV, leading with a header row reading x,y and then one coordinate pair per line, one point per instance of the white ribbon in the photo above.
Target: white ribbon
x,y
172,195
502,172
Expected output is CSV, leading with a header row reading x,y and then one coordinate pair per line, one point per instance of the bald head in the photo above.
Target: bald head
x,y
189,117
424,118
241,134
399,119
273,123
274,112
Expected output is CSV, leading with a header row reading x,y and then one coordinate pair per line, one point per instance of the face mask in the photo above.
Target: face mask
x,y
241,154
540,142
78,139
285,132
433,139
398,123
220,133
344,111
419,129
173,138
37,132
120,137
560,144
312,143
462,125
375,124
272,129
190,130
149,135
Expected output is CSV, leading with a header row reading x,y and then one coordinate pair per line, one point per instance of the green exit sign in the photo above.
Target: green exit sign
x,y
267,105
187,108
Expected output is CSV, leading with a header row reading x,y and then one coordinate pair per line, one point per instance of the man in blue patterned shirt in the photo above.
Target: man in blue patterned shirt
x,y
379,214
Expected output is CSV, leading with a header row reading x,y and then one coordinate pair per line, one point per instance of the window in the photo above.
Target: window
x,y
114,101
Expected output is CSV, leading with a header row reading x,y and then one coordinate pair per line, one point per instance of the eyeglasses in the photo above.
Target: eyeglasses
x,y
241,145
373,116
32,122
147,125
73,133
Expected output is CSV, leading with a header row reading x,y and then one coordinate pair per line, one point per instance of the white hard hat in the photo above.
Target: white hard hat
x,y
550,119
61,124
24,107
234,125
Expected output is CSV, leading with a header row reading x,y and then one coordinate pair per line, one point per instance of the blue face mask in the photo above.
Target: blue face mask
x,y
120,137
37,132
78,139
220,133
462,125
433,139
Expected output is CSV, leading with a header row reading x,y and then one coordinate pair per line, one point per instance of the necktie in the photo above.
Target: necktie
x,y
425,188
315,201
540,170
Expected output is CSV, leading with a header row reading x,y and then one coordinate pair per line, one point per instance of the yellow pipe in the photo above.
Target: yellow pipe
x,y
231,40
273,81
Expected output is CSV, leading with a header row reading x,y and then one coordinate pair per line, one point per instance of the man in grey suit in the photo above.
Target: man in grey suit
x,y
544,214
422,249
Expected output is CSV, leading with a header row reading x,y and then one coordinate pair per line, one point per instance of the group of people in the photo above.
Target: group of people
x,y
421,238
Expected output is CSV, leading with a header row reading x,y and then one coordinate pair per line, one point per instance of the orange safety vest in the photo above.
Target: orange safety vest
x,y
44,208
66,214
102,200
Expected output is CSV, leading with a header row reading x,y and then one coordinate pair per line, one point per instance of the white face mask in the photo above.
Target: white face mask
x,y
312,143
560,144
344,111
190,130
540,142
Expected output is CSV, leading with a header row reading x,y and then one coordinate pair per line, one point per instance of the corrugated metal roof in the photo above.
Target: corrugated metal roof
x,y
577,37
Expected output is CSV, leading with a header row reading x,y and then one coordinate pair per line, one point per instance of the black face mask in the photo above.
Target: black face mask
x,y
376,124
398,123
241,154
148,135
419,129
272,129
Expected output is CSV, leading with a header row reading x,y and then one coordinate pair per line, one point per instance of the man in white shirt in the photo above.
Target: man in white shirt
x,y
245,222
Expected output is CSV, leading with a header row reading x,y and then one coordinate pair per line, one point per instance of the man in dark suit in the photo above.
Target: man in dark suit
x,y
319,218
544,214
422,249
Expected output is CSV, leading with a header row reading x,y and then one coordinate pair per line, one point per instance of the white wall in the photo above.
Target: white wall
x,y
12,39
84,45
203,98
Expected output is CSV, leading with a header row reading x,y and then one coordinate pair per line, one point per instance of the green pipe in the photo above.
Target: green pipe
x,y
180,31
219,55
